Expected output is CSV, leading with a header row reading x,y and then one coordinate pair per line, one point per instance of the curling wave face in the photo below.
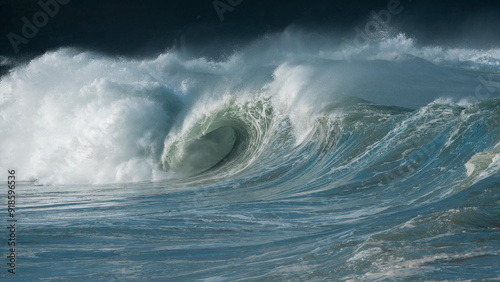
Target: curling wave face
x,y
78,117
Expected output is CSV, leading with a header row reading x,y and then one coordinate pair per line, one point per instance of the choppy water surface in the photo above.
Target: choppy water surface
x,y
296,165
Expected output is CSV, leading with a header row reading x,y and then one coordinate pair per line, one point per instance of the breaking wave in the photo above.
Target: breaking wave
x,y
73,116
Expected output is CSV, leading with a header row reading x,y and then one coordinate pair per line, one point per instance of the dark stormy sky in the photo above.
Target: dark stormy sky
x,y
142,28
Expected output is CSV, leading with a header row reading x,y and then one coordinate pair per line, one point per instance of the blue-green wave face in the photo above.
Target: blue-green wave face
x,y
201,153
228,137
283,161
348,140
118,120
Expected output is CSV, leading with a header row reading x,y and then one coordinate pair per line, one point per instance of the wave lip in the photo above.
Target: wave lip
x,y
482,160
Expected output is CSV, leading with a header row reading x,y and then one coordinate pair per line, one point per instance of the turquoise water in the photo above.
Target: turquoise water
x,y
178,169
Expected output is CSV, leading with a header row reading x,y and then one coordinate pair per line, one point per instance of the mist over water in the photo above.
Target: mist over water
x,y
292,157
89,118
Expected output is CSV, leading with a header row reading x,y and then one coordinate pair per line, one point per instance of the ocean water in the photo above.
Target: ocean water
x,y
289,159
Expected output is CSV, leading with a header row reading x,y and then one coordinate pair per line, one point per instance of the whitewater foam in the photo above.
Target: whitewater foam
x,y
72,116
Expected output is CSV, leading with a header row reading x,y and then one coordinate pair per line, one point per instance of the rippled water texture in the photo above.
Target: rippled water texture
x,y
271,165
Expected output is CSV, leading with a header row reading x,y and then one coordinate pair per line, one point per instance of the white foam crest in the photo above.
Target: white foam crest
x,y
296,94
442,55
384,47
399,46
71,117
